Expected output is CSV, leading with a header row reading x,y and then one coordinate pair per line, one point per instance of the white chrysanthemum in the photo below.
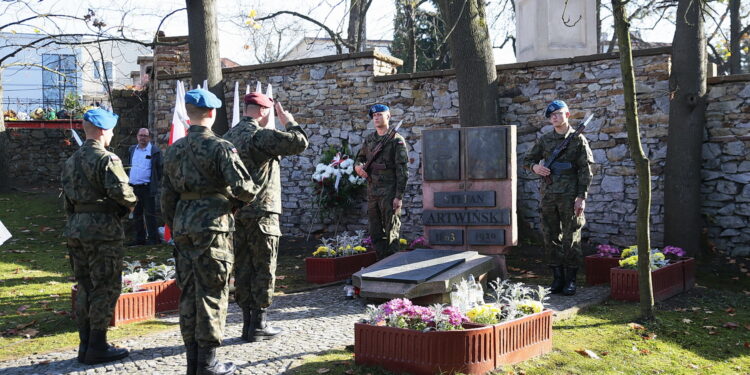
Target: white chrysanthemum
x,y
316,177
320,168
349,169
347,163
353,179
325,175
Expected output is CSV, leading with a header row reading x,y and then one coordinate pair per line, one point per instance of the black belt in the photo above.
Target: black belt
x,y
138,185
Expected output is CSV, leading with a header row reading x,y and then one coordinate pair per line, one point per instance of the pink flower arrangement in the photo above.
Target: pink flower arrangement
x,y
673,250
367,242
419,242
608,251
401,313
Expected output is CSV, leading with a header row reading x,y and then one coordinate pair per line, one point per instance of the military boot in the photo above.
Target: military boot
x,y
570,281
247,324
261,329
208,364
558,279
83,336
191,352
99,351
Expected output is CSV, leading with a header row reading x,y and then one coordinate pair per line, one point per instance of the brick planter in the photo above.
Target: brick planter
x,y
666,282
469,351
476,350
166,294
328,270
523,338
597,268
130,307
688,268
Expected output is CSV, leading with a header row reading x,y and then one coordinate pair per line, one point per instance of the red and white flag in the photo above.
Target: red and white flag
x,y
180,120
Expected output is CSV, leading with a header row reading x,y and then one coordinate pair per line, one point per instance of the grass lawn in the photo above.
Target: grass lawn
x,y
35,277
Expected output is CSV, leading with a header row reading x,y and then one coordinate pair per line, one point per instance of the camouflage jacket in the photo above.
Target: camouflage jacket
x,y
96,185
389,172
218,178
572,168
261,150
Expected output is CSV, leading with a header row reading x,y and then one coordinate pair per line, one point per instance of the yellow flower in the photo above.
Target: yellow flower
x,y
253,13
324,251
629,262
360,249
530,307
402,241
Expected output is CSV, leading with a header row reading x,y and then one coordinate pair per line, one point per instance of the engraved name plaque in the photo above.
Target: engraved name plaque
x,y
465,199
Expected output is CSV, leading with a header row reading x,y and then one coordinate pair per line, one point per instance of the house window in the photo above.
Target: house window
x,y
108,72
58,79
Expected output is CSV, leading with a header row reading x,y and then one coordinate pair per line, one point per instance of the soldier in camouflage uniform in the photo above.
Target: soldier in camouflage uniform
x,y
97,197
387,182
256,242
564,200
203,178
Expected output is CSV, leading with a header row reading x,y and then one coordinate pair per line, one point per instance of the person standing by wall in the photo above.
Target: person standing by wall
x,y
145,177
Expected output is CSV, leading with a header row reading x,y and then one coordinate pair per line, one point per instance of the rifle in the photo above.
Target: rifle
x,y
561,147
379,148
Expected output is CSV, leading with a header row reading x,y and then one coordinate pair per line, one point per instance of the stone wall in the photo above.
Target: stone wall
x,y
330,96
132,107
37,155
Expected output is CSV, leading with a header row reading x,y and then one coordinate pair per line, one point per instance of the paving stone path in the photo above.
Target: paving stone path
x,y
315,321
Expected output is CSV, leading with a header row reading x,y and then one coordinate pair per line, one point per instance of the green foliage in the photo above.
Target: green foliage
x,y
429,34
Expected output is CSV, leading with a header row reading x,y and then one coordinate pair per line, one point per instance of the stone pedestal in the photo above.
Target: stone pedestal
x,y
541,33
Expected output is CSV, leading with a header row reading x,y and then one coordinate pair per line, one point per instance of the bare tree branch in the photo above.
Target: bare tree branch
x,y
336,37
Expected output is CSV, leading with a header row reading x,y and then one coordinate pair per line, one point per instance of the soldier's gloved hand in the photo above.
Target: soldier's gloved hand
x,y
396,204
540,170
360,171
284,116
579,206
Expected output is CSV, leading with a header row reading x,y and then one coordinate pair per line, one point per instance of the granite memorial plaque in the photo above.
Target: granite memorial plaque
x,y
486,236
486,153
441,152
416,266
446,237
466,217
465,199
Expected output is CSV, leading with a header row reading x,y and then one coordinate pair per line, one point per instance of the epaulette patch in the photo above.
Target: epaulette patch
x,y
234,150
114,157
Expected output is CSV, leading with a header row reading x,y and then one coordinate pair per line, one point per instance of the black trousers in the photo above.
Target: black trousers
x,y
145,210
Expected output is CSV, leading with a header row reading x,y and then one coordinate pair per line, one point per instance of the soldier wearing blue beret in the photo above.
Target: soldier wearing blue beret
x,y
564,200
96,197
385,189
203,178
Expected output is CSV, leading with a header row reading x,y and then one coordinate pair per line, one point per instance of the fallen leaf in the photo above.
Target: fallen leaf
x,y
45,362
26,325
349,372
645,352
729,310
713,333
323,370
693,366
636,326
709,327
587,353
280,277
649,336
22,308
747,344
731,325
28,333
282,286
687,321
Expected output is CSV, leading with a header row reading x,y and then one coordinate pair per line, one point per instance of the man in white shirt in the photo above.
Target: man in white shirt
x,y
145,175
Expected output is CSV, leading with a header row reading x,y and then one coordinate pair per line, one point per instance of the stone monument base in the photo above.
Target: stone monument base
x,y
424,276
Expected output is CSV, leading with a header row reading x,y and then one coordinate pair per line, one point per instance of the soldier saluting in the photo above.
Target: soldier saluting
x,y
387,178
97,197
564,198
203,175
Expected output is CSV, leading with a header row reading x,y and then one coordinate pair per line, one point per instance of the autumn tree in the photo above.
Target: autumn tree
x,y
419,37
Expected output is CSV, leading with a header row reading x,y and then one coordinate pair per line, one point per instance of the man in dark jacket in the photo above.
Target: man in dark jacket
x,y
145,175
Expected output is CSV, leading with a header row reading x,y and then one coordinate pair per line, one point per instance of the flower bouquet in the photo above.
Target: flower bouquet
x,y
670,274
336,184
597,266
338,258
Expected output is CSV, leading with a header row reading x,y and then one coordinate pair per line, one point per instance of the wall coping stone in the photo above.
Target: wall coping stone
x,y
530,64
313,60
729,78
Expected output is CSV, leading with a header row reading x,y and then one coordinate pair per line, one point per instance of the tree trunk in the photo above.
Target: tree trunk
x,y
734,37
687,120
4,146
410,65
471,52
205,61
357,30
643,226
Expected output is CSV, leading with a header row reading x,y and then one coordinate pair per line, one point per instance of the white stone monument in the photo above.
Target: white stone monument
x,y
542,34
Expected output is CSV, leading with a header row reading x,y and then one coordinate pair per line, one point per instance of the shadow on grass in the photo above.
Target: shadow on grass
x,y
336,362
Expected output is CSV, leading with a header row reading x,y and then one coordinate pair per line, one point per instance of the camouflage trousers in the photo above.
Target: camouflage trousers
x,y
561,229
384,224
204,262
97,267
256,248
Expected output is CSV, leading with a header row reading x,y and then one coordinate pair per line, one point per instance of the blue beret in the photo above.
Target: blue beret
x,y
554,106
378,108
101,118
202,98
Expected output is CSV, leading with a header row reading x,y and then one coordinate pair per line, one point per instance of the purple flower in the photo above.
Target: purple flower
x,y
673,250
367,242
455,317
396,306
418,242
608,251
